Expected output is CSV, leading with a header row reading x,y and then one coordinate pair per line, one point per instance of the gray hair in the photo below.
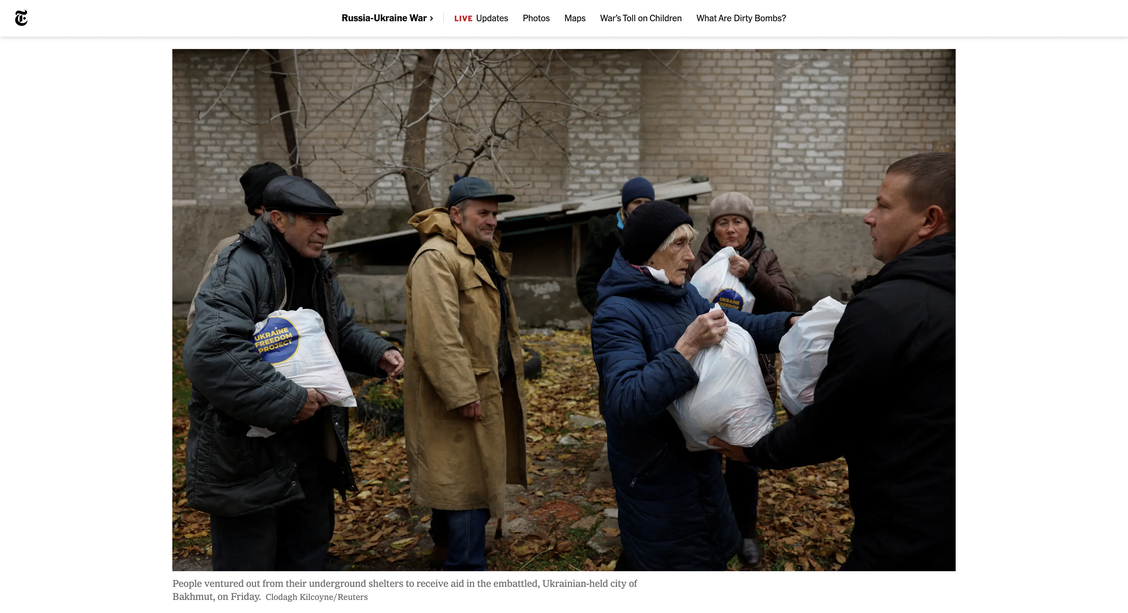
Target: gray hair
x,y
685,230
289,217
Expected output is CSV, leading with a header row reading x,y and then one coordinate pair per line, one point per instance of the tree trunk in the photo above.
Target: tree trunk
x,y
415,137
279,77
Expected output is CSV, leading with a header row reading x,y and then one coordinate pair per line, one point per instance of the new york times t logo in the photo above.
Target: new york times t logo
x,y
21,18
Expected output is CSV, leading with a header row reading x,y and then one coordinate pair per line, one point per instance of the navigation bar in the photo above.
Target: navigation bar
x,y
811,18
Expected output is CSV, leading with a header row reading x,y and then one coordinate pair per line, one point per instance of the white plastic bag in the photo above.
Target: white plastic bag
x,y
717,285
804,349
295,343
729,401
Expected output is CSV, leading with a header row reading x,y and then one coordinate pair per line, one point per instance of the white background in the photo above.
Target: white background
x,y
86,302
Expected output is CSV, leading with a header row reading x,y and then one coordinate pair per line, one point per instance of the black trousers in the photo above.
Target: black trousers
x,y
742,480
294,536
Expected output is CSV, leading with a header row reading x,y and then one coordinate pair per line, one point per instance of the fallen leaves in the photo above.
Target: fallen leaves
x,y
558,511
404,543
804,515
802,524
532,544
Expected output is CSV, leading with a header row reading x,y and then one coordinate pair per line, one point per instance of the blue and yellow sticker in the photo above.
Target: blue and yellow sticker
x,y
729,298
277,341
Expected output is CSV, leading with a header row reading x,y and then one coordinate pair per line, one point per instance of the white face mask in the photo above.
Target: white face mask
x,y
658,274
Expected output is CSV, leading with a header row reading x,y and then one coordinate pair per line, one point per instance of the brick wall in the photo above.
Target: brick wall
x,y
348,133
214,136
812,89
709,113
801,132
901,103
528,163
605,145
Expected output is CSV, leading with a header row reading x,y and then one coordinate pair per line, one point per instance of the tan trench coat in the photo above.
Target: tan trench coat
x,y
453,320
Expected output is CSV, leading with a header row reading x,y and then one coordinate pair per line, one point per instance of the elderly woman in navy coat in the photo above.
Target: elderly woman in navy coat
x,y
674,512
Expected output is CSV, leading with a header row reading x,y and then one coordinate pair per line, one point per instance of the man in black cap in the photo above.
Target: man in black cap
x,y
253,182
271,498
605,236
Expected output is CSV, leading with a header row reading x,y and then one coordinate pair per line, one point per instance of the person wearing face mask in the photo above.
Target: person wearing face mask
x,y
674,513
730,220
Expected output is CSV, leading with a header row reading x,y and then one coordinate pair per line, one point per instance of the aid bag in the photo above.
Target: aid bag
x,y
295,344
804,349
730,400
717,285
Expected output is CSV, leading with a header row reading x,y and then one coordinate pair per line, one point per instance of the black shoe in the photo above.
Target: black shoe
x,y
750,553
438,557
334,563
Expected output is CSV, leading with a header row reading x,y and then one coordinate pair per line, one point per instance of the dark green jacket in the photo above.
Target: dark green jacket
x,y
604,239
233,388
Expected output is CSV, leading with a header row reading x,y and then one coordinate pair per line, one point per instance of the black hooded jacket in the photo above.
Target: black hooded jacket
x,y
887,402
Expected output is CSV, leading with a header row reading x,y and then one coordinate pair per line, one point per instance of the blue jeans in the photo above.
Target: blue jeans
x,y
464,534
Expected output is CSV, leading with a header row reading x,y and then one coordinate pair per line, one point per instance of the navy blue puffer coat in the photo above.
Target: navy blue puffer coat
x,y
674,513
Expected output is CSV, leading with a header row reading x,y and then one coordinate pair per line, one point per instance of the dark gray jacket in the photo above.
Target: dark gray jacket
x,y
604,239
233,388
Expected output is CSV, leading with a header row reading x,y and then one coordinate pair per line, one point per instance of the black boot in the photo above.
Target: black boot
x,y
750,553
334,563
438,557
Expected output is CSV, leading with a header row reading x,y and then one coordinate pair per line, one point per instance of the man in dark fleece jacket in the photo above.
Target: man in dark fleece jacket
x,y
605,236
887,398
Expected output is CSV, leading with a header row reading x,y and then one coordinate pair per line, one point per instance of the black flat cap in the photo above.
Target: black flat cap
x,y
298,195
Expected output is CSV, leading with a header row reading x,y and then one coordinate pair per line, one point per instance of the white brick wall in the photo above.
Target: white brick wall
x,y
806,132
809,130
605,149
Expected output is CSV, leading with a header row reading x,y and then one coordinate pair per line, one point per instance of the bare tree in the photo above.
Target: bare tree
x,y
415,132
279,78
448,109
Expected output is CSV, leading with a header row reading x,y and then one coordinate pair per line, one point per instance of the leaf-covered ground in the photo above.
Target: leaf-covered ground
x,y
558,523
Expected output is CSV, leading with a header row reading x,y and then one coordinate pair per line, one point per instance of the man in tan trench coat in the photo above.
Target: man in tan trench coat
x,y
464,403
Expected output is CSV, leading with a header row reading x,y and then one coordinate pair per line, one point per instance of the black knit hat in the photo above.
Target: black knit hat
x,y
648,226
298,195
254,182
